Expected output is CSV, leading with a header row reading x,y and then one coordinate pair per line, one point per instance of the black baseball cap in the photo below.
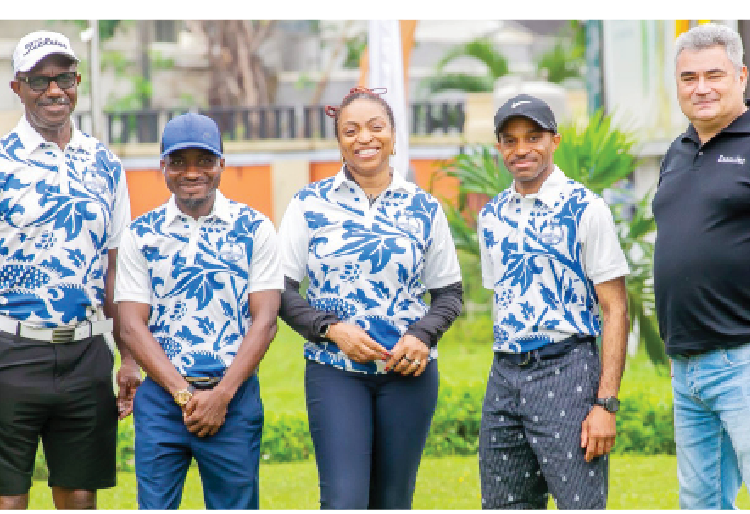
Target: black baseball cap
x,y
529,107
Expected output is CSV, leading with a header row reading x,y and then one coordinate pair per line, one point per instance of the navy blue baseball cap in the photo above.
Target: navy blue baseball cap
x,y
526,106
191,131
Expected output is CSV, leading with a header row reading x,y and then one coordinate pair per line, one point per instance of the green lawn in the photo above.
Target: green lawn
x,y
465,355
636,482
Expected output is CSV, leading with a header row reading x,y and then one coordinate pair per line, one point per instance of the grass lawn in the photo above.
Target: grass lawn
x,y
465,355
636,482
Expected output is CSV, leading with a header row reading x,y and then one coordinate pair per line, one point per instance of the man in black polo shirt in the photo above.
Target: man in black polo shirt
x,y
701,270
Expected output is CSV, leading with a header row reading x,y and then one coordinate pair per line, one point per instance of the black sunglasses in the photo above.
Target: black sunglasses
x,y
40,83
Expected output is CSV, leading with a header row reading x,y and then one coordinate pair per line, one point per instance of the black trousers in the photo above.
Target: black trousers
x,y
368,432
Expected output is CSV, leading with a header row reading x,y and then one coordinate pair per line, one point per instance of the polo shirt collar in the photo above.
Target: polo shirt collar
x,y
32,140
397,182
219,210
739,125
548,192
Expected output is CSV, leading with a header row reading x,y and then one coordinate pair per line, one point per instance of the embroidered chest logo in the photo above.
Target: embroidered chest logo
x,y
551,233
733,160
408,224
94,181
231,250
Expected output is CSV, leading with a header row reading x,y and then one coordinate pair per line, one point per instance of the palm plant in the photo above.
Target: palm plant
x,y
482,50
598,156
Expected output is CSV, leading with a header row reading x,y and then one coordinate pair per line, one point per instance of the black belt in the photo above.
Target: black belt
x,y
548,351
203,383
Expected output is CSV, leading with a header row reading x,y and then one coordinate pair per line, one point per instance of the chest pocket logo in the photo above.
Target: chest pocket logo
x,y
551,233
231,251
94,181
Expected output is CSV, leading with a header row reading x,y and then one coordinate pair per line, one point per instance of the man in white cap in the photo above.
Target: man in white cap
x,y
63,206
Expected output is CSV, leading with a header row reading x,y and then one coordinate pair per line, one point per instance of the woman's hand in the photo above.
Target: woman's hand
x,y
409,356
356,343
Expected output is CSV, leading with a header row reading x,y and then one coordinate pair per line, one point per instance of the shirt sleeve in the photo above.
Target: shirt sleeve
x,y
132,282
294,238
441,261
445,306
120,213
488,278
603,258
265,270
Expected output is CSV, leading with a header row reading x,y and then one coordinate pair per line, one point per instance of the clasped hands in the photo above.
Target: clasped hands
x,y
408,357
206,411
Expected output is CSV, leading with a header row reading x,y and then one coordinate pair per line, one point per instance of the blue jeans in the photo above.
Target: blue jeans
x,y
712,426
227,461
368,432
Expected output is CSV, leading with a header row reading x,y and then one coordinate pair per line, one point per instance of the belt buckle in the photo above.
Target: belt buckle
x,y
63,335
526,361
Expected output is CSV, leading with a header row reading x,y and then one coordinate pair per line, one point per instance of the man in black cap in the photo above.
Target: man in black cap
x,y
551,255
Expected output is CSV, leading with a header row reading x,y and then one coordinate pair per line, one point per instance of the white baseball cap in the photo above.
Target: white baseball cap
x,y
36,46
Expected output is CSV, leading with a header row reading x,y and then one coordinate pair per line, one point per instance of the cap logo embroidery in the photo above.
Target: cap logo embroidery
x,y
42,41
516,104
733,160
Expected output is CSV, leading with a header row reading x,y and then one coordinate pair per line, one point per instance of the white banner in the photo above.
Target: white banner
x,y
387,70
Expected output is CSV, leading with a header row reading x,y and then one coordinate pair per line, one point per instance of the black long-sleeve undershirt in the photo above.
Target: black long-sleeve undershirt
x,y
445,306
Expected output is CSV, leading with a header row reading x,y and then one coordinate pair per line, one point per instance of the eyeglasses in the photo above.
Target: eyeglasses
x,y
40,83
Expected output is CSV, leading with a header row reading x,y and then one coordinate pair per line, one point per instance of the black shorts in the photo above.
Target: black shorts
x,y
64,394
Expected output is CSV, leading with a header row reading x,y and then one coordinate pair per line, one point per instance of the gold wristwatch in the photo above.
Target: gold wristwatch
x,y
183,396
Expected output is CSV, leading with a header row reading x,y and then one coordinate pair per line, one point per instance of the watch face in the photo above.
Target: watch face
x,y
611,404
182,397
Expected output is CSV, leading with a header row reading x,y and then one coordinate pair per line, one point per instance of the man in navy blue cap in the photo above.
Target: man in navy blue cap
x,y
198,286
551,256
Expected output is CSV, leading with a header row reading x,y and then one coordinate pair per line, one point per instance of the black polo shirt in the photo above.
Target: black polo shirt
x,y
702,253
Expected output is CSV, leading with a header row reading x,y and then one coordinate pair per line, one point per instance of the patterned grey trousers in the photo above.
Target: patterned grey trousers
x,y
530,438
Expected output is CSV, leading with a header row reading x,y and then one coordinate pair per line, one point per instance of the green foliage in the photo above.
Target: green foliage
x,y
286,438
600,157
556,65
354,48
481,49
565,59
459,82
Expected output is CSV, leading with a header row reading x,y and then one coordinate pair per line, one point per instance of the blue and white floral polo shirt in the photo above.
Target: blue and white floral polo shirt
x,y
368,264
542,254
60,211
197,276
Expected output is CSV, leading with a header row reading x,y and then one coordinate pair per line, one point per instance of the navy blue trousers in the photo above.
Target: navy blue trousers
x,y
368,432
227,461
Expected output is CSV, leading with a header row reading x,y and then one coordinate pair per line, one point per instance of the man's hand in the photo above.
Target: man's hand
x,y
356,343
206,411
408,356
598,432
128,380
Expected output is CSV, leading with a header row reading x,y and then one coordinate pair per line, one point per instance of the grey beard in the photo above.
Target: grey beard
x,y
193,203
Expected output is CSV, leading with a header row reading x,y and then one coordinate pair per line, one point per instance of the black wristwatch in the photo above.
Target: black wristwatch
x,y
324,330
610,403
